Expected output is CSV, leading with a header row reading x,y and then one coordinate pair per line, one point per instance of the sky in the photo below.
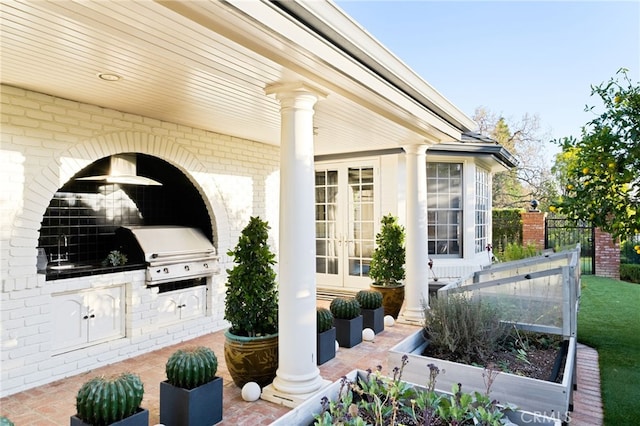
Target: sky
x,y
511,57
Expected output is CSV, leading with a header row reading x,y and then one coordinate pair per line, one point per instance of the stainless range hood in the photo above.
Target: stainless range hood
x,y
122,170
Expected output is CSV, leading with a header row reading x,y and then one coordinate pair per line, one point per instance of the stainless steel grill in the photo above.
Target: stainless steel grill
x,y
172,253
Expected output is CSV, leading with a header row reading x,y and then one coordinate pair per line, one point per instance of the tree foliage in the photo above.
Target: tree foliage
x,y
600,171
524,139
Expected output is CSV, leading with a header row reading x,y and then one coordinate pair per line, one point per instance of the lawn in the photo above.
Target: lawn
x,y
609,321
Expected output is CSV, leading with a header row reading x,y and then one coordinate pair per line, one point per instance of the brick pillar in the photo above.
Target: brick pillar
x,y
607,254
533,228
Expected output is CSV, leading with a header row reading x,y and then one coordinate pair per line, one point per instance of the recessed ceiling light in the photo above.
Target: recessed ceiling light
x,y
106,76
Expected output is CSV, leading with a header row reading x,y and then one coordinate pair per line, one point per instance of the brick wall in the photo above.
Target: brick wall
x,y
533,228
607,255
45,141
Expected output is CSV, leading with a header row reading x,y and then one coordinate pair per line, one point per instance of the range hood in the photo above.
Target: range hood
x,y
122,170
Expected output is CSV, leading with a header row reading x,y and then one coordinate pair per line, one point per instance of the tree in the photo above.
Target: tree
x,y
531,178
600,171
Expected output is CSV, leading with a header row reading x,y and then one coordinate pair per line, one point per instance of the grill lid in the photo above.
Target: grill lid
x,y
171,243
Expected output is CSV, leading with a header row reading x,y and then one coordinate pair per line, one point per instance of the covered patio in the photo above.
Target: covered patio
x,y
54,403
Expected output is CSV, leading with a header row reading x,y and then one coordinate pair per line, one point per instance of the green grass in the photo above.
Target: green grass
x,y
609,321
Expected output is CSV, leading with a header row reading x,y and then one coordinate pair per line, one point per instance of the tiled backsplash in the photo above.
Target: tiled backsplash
x,y
80,222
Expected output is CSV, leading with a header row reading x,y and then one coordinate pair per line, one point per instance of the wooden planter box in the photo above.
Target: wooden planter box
x,y
191,407
326,346
348,332
139,418
373,319
303,414
528,394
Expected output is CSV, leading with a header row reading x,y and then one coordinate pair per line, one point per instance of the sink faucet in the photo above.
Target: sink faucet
x,y
62,239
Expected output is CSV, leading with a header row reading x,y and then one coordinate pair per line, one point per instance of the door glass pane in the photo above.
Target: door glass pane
x,y
326,211
360,225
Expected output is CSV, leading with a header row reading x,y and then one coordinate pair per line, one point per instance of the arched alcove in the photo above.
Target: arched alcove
x,y
81,218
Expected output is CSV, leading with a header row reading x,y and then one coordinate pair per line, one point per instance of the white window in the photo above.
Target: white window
x,y
482,210
444,208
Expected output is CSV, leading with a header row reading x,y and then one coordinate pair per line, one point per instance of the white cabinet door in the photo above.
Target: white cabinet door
x,y
184,304
69,329
105,314
86,317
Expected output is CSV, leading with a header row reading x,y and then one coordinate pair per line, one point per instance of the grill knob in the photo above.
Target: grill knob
x,y
165,270
206,265
186,267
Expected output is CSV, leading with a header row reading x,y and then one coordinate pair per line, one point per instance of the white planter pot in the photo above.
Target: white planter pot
x,y
303,414
534,395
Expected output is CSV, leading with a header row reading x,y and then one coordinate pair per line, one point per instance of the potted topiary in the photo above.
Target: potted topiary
x,y
251,343
326,338
387,265
371,309
113,400
192,393
347,320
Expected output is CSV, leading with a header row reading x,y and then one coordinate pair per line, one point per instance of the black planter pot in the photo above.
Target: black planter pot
x,y
191,407
139,418
326,345
348,332
373,319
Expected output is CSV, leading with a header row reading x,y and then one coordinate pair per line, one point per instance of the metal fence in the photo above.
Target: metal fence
x,y
561,232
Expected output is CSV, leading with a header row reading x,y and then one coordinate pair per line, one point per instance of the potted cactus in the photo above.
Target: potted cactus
x,y
251,307
387,265
113,400
371,309
192,393
347,320
326,338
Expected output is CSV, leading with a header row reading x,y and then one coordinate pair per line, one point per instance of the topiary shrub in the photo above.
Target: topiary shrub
x,y
324,319
105,400
369,299
389,256
345,308
191,367
251,304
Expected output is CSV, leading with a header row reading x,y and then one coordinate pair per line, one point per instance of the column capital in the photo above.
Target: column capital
x,y
416,148
294,88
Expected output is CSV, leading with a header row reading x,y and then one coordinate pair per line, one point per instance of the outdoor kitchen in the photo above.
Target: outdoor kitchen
x,y
116,233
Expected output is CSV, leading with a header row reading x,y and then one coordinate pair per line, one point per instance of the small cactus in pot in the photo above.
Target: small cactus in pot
x,y
105,400
369,299
344,307
324,319
191,367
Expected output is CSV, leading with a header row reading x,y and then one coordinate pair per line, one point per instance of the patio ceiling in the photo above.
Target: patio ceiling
x,y
206,64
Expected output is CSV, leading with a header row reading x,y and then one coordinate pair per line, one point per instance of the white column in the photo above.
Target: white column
x,y
298,375
416,266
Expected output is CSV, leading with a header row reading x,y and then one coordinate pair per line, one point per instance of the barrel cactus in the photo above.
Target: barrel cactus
x,y
4,421
105,400
369,299
344,308
324,319
191,367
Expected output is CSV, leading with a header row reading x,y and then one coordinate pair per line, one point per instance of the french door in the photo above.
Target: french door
x,y
346,215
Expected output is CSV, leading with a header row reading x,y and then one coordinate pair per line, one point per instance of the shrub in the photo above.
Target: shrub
x,y
630,272
518,251
463,329
628,251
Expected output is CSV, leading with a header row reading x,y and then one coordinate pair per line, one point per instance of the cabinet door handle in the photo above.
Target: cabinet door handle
x,y
92,316
85,317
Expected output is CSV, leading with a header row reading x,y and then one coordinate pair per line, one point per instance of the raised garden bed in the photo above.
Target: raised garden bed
x,y
529,394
